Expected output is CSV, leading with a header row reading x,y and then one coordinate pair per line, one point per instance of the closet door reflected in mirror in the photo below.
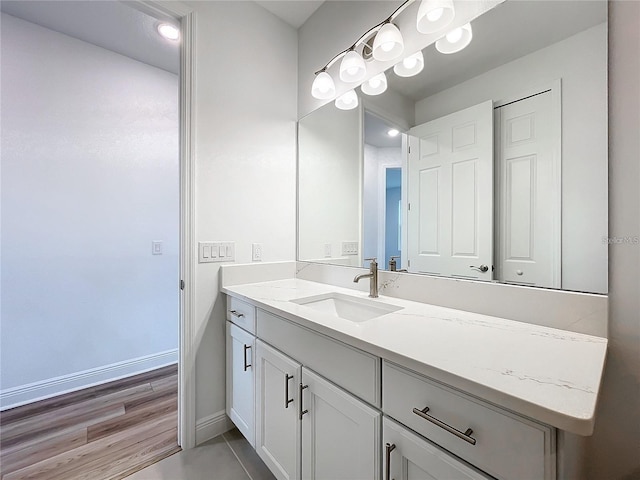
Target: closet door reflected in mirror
x,y
499,170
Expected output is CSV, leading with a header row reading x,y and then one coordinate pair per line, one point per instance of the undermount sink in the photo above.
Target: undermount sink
x,y
347,307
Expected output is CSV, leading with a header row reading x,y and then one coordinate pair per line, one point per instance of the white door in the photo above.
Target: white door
x,y
277,412
240,380
450,195
340,434
408,456
528,190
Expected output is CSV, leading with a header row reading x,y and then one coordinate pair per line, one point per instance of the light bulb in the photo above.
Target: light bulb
x,y
435,15
454,35
347,101
388,43
168,31
323,87
393,132
410,66
375,85
455,40
410,62
352,67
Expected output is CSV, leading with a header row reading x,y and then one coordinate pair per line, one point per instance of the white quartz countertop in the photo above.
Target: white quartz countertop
x,y
550,375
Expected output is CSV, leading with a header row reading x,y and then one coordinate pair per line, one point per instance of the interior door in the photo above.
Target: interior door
x,y
340,434
277,418
528,192
450,195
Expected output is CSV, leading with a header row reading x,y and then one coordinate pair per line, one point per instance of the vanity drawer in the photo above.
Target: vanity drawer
x,y
242,314
354,370
506,446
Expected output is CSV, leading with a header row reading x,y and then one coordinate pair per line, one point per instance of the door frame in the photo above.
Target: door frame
x,y
177,11
555,87
382,212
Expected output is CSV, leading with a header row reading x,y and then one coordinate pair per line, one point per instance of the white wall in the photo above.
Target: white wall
x,y
89,179
616,439
245,157
580,61
329,174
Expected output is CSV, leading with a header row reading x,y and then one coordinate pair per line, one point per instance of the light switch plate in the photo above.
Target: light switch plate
x,y
349,248
156,247
210,252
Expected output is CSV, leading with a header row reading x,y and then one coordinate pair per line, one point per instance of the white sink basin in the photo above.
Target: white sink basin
x,y
347,307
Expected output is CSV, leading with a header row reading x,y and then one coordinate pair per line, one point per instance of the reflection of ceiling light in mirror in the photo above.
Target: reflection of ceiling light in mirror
x,y
455,40
434,15
323,87
393,132
388,43
168,31
375,85
347,101
352,67
410,66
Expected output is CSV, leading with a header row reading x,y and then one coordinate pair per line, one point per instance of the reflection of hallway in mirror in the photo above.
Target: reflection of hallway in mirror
x,y
393,215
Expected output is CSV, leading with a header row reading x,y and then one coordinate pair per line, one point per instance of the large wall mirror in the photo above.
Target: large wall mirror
x,y
490,165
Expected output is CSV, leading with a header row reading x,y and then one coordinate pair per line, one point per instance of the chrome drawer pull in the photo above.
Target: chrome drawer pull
x,y
287,400
388,449
466,435
236,314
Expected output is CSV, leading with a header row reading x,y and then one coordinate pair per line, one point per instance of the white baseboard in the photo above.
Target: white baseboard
x,y
212,426
32,392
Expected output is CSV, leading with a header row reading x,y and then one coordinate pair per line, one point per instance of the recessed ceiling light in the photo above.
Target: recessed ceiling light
x,y
168,31
393,132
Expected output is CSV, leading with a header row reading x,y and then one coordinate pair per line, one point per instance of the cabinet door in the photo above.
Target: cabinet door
x,y
408,456
277,412
340,434
240,380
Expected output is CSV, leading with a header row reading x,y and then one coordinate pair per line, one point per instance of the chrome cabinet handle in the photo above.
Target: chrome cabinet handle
x,y
388,449
481,268
246,365
287,400
302,412
466,435
236,314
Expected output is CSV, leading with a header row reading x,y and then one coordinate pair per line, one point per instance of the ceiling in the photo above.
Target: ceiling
x,y
293,12
375,132
111,25
509,31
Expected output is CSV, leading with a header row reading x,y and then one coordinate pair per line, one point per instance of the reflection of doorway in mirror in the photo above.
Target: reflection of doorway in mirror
x,y
393,215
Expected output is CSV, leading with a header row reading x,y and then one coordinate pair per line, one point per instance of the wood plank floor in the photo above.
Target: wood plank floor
x,y
105,432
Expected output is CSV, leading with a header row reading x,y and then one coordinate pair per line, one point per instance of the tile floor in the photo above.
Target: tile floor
x,y
227,457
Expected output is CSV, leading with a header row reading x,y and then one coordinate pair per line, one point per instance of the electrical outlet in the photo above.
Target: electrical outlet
x,y
256,252
327,250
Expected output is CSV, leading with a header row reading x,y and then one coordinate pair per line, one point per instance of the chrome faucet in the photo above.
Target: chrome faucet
x,y
373,275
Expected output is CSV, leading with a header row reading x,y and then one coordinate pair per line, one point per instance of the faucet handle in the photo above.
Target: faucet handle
x,y
372,260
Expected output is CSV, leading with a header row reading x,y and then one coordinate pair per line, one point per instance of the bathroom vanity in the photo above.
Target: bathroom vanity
x,y
325,382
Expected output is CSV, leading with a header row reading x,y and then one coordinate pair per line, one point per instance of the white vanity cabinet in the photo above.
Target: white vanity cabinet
x,y
240,380
278,440
408,456
340,434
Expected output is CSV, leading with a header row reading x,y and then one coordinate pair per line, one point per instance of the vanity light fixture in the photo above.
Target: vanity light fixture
x,y
388,43
323,87
410,66
394,132
169,31
455,40
352,67
375,85
434,15
347,101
